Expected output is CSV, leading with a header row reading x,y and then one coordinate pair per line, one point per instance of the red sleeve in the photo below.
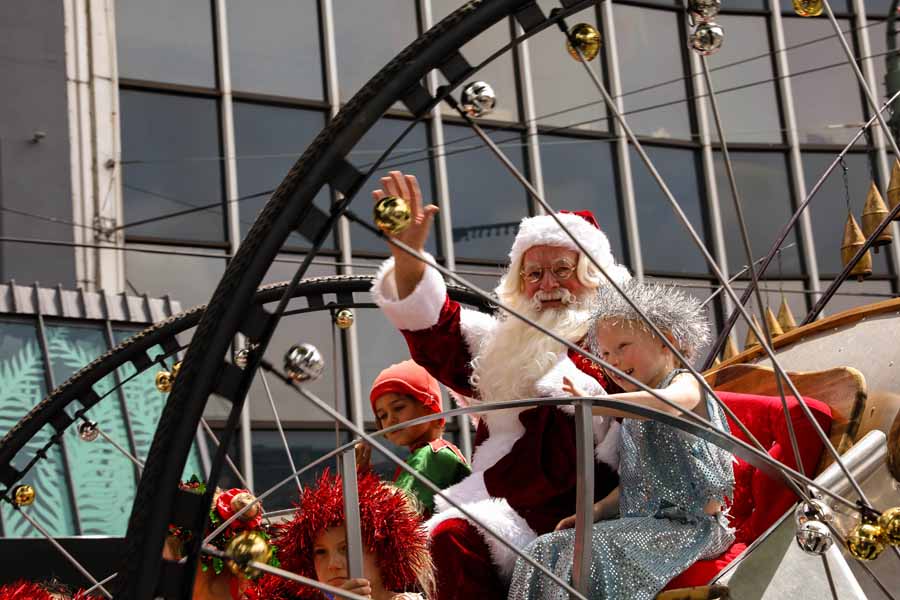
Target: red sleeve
x,y
442,350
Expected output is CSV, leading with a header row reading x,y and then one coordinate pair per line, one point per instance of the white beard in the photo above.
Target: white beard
x,y
509,362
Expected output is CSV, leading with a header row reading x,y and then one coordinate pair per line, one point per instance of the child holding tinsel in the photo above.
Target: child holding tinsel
x,y
403,392
396,561
672,485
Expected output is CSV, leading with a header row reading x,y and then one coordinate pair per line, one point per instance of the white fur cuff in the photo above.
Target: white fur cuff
x,y
421,309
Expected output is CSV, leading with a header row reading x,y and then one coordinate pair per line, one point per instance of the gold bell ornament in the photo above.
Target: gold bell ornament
x,y
786,317
865,540
853,241
587,39
24,495
247,547
731,349
809,8
873,214
893,191
751,339
344,318
165,379
889,521
772,324
392,214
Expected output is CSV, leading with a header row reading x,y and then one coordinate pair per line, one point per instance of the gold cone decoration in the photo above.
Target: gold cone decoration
x,y
873,214
853,240
786,317
752,340
893,191
717,362
772,324
731,349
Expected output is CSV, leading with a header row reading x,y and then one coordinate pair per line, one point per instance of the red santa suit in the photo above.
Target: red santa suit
x,y
524,476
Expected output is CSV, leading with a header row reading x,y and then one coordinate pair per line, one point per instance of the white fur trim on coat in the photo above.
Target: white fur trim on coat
x,y
476,328
421,309
494,513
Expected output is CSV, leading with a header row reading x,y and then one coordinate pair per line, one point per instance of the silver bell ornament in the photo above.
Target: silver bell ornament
x,y
814,537
241,357
478,99
88,431
812,510
303,362
703,10
707,38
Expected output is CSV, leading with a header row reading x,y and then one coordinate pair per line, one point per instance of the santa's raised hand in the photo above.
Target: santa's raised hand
x,y
408,269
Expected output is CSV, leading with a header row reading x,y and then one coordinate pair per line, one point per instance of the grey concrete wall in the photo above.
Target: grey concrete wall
x,y
34,175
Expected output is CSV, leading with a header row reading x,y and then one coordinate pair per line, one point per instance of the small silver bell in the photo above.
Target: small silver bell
x,y
241,357
704,10
88,431
812,510
707,38
303,362
478,99
814,538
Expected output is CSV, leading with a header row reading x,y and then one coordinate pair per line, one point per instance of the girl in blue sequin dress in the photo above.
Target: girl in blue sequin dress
x,y
667,512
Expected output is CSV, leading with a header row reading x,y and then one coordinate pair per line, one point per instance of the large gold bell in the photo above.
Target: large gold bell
x,y
873,214
392,214
865,541
24,495
772,324
889,521
587,39
809,8
786,317
247,547
893,191
344,318
853,241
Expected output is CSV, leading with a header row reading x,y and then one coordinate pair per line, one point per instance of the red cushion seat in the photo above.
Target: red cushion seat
x,y
760,500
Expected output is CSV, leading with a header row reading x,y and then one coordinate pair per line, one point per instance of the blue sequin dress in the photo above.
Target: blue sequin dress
x,y
666,479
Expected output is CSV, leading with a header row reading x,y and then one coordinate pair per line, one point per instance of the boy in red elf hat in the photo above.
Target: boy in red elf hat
x,y
403,392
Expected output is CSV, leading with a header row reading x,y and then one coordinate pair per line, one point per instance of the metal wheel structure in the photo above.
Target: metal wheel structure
x,y
238,309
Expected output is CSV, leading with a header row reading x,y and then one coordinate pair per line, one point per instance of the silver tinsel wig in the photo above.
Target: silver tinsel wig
x,y
668,307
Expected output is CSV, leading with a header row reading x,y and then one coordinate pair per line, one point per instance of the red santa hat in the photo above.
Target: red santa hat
x,y
543,230
410,379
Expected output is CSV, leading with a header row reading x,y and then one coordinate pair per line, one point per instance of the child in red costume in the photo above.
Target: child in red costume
x,y
403,392
313,544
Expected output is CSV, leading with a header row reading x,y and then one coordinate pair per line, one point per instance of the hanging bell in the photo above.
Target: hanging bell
x,y
873,214
704,10
478,99
786,317
772,324
814,537
707,38
247,547
809,8
751,339
24,495
865,540
853,241
812,510
587,39
242,499
164,381
731,349
303,362
241,357
88,431
392,214
344,318
893,191
889,521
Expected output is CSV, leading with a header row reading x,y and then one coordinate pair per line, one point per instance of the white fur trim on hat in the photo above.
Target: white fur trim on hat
x,y
543,230
421,309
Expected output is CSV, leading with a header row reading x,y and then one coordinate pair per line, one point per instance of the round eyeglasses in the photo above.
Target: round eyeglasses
x,y
561,271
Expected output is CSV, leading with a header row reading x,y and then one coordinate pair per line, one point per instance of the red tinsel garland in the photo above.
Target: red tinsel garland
x,y
27,590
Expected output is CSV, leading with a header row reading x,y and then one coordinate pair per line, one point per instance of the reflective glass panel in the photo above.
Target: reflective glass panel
x,y
189,280
487,201
368,39
749,114
828,208
22,386
269,140
877,7
275,47
581,174
166,40
411,157
763,182
171,162
827,97
560,83
653,77
853,294
103,476
665,243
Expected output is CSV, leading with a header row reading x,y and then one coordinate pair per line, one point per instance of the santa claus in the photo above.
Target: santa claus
x,y
524,477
